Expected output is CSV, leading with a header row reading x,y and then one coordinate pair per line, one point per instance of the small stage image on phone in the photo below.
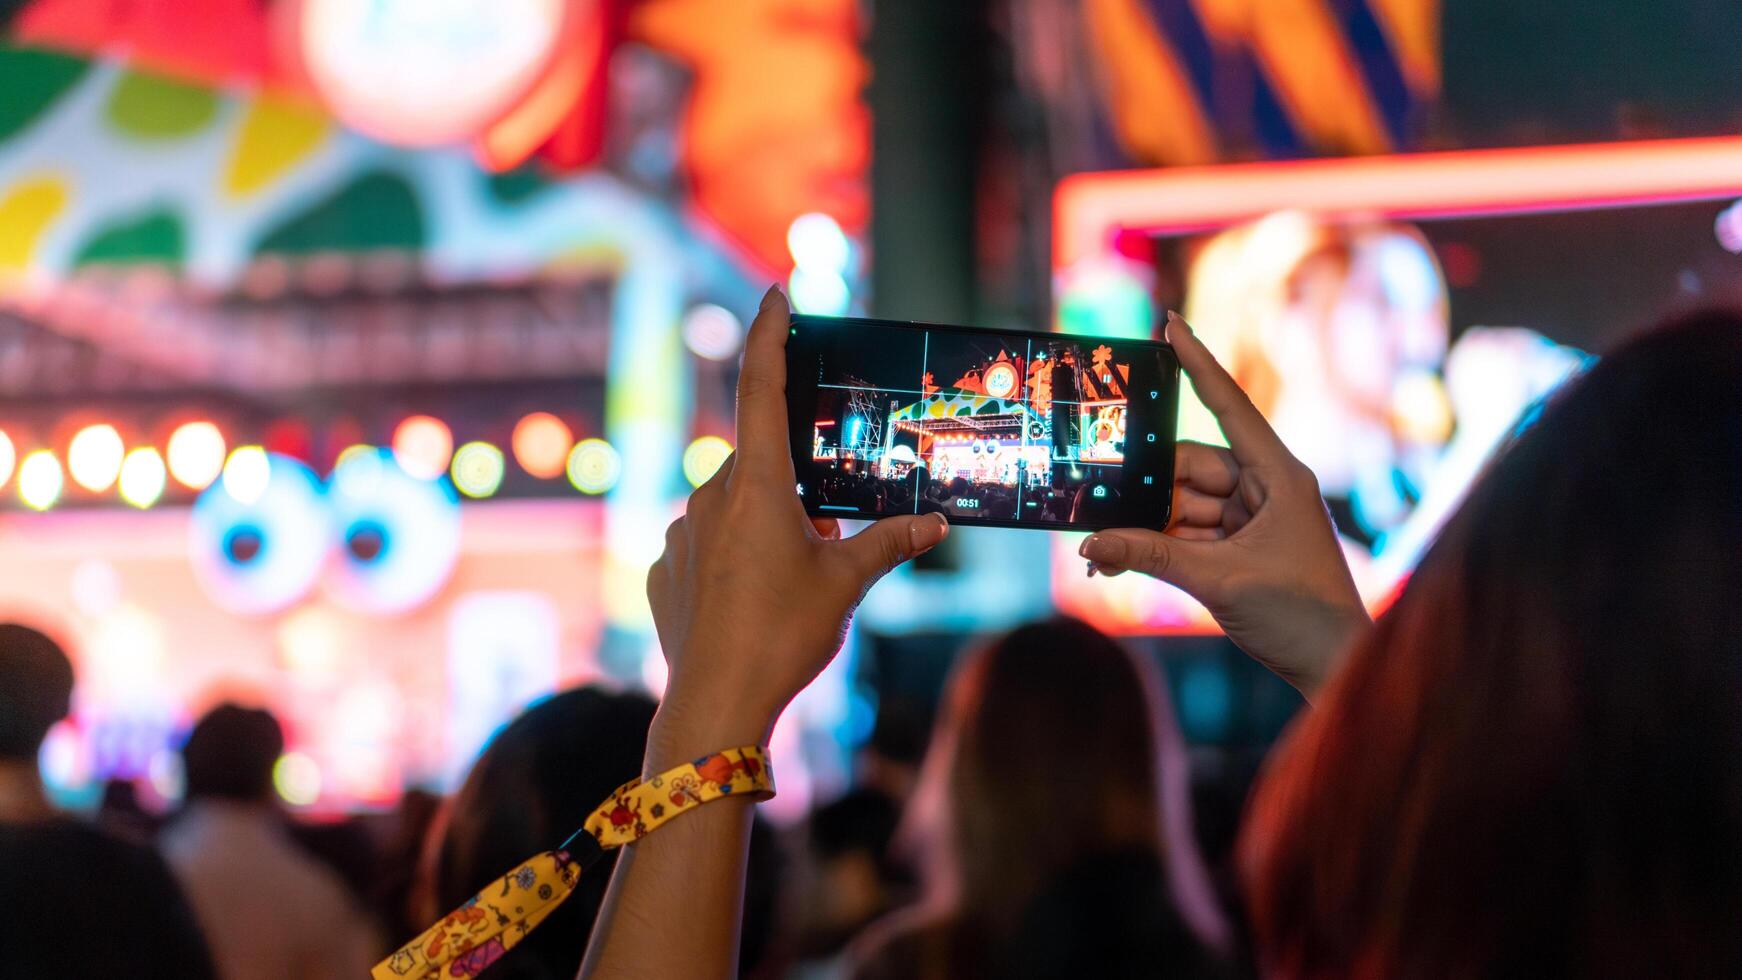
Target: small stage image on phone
x,y
1018,428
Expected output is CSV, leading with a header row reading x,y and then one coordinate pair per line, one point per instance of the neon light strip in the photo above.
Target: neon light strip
x,y
1089,209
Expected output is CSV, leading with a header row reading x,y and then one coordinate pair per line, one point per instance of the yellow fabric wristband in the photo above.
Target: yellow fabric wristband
x,y
478,933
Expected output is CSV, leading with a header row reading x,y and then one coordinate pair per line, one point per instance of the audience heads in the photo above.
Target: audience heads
x,y
230,754
536,783
1056,744
36,690
1529,766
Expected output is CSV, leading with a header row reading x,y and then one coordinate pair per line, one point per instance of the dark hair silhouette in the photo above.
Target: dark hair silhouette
x,y
1035,786
230,754
536,783
1529,768
36,689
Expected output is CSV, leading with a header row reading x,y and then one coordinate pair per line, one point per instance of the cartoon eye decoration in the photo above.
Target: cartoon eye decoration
x,y
259,534
398,536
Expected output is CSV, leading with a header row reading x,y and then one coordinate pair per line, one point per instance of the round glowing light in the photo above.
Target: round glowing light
x,y
712,332
246,474
94,457
703,457
594,466
196,454
477,469
8,458
297,778
39,480
352,452
817,242
386,67
541,445
423,446
820,291
142,477
1000,380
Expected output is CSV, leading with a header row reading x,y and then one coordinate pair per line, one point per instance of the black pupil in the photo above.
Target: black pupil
x,y
244,544
366,541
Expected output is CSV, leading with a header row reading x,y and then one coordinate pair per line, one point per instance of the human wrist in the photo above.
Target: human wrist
x,y
690,724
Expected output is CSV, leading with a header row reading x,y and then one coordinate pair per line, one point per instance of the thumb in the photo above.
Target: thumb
x,y
1187,564
874,551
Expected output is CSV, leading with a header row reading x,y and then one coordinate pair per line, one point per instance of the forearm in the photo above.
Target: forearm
x,y
676,898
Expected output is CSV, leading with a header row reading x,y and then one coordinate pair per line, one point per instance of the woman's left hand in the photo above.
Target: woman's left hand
x,y
752,597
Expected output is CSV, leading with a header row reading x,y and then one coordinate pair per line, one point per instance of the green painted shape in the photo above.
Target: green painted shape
x,y
518,185
377,210
156,237
990,408
30,81
966,408
150,107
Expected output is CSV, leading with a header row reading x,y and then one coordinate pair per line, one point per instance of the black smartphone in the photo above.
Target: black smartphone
x,y
1000,428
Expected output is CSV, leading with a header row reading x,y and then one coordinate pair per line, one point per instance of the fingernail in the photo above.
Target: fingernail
x,y
1103,550
927,534
768,297
1176,322
1092,568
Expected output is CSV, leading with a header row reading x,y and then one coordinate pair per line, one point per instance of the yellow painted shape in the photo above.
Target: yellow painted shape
x,y
26,211
275,135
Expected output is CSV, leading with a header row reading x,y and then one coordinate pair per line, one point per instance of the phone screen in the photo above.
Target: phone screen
x,y
999,428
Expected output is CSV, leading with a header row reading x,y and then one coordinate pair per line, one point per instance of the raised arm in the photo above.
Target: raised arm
x,y
1251,538
751,599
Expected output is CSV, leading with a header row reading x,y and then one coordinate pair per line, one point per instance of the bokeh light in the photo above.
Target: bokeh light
x,y
39,480
196,454
817,242
703,457
352,452
297,779
819,291
94,457
594,466
478,469
423,446
246,474
143,476
8,458
541,445
713,332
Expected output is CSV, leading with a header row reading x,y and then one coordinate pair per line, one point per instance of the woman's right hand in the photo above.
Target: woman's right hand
x,y
1250,536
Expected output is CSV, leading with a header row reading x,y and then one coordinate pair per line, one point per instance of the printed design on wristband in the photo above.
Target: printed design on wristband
x,y
490,923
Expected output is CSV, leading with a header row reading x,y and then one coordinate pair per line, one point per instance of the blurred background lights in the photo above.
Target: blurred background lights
x,y
8,458
703,457
246,474
94,457
477,469
297,779
816,241
819,291
39,480
541,445
142,477
352,452
423,446
196,454
1728,228
713,332
594,466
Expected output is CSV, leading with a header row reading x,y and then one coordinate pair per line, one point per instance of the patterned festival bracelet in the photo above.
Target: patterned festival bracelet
x,y
479,932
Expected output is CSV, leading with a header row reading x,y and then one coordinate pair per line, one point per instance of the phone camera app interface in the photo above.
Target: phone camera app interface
x,y
973,425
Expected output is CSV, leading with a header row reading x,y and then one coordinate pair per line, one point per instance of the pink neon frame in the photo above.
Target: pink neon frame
x,y
1089,210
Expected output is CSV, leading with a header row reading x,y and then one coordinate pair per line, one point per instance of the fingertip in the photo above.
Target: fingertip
x,y
1177,328
926,535
771,298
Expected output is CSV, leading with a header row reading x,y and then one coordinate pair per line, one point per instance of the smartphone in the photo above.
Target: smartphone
x,y
998,428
